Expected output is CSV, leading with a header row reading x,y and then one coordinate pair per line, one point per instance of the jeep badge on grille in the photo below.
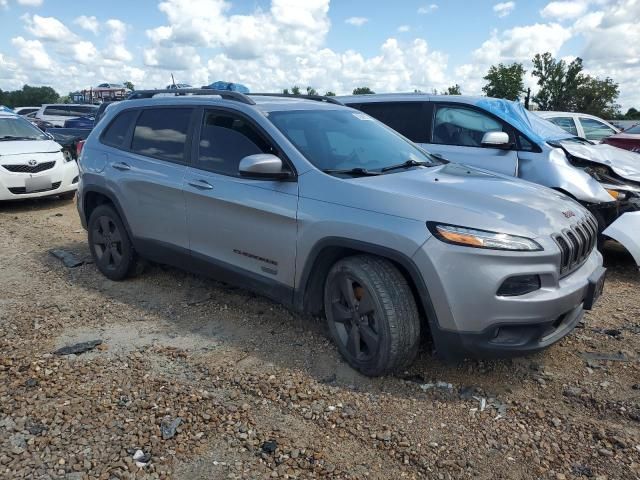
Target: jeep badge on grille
x,y
569,214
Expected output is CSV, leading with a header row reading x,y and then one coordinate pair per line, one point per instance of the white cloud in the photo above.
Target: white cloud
x,y
356,21
33,52
85,52
559,11
88,23
47,28
30,3
427,9
504,9
404,28
117,49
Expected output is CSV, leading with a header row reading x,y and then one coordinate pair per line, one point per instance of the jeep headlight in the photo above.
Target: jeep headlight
x,y
471,237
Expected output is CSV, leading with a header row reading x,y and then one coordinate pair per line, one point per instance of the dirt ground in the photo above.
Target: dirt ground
x,y
261,393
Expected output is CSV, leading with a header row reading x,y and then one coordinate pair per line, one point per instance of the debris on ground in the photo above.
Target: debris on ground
x,y
612,357
69,259
269,446
438,385
169,426
78,348
142,459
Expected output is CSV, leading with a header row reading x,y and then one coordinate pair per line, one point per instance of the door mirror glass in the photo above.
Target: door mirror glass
x,y
496,140
262,165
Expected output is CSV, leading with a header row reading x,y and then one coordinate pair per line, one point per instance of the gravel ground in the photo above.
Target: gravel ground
x,y
258,392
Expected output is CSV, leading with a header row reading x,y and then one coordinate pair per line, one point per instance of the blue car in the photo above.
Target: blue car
x,y
86,122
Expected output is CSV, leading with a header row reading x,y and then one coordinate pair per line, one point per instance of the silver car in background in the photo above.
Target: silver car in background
x,y
503,137
327,210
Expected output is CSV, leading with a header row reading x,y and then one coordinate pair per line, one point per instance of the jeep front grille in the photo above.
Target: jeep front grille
x,y
576,244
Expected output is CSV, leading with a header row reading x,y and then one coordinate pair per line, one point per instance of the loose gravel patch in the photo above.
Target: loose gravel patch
x,y
194,379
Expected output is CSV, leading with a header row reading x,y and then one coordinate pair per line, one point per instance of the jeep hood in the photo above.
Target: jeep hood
x,y
21,147
622,162
454,194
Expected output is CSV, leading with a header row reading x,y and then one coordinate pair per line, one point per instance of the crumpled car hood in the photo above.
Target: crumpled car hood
x,y
28,147
623,162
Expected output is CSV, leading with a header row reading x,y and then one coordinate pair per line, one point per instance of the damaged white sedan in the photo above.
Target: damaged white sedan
x,y
502,136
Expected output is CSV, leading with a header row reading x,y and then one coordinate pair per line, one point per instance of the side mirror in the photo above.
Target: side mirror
x,y
496,140
263,165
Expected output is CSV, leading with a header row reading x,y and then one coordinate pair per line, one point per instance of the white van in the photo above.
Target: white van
x,y
57,113
31,164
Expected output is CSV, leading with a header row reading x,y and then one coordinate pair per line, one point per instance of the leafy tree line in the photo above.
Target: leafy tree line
x,y
29,96
562,87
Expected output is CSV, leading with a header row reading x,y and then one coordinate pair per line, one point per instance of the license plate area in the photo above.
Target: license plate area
x,y
37,184
595,288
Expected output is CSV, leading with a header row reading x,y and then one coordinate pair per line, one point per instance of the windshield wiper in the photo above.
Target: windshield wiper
x,y
11,137
408,164
358,171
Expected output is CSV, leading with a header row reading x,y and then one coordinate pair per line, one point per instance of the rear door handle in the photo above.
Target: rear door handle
x,y
201,184
121,166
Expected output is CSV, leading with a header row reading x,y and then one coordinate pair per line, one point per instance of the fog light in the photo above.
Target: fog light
x,y
519,285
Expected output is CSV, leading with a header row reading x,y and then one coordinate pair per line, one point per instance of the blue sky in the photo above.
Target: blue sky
x,y
337,45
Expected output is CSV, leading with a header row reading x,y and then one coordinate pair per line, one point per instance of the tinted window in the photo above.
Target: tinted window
x,y
81,110
565,123
407,118
116,133
59,110
633,130
162,133
226,139
595,130
344,139
463,126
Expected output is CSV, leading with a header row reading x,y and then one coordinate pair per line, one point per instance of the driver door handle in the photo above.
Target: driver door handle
x,y
121,166
201,184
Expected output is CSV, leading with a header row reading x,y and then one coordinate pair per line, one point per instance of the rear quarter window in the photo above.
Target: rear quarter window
x,y
162,133
117,132
58,110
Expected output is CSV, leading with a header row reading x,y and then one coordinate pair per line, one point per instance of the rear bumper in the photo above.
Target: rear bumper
x,y
64,178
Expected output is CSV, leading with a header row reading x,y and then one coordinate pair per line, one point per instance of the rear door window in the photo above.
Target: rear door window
x,y
407,118
595,130
225,139
57,110
162,133
565,123
463,126
117,132
81,110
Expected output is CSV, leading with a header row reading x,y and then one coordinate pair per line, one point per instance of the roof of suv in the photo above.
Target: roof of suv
x,y
263,103
408,97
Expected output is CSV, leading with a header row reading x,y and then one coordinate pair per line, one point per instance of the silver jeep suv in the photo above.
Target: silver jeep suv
x,y
327,210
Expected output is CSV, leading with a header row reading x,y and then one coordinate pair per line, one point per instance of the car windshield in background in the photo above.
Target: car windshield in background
x,y
19,129
635,130
347,140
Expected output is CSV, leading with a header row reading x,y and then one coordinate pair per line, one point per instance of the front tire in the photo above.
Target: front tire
x,y
110,246
372,314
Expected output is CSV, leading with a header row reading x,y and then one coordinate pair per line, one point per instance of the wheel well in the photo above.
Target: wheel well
x,y
93,200
326,258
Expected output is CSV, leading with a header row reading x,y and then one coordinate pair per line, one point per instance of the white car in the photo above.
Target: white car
x,y
582,125
31,164
25,110
58,113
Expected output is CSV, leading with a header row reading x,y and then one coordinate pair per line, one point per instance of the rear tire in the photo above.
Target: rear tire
x,y
372,314
110,245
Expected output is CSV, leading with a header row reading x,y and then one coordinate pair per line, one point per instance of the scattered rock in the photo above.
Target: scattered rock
x,y
78,348
169,426
269,446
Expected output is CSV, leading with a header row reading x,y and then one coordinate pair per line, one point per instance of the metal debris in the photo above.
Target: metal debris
x,y
142,459
69,259
168,427
78,348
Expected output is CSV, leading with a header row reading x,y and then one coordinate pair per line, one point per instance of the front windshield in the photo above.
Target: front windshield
x,y
17,128
346,139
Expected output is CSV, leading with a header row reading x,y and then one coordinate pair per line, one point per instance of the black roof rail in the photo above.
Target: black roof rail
x,y
318,98
226,94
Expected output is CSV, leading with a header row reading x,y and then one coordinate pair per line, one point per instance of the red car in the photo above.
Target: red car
x,y
628,139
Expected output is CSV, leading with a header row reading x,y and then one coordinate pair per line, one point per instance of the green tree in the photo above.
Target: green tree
x,y
29,96
632,114
363,91
129,85
505,81
311,91
453,90
330,94
565,87
558,82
